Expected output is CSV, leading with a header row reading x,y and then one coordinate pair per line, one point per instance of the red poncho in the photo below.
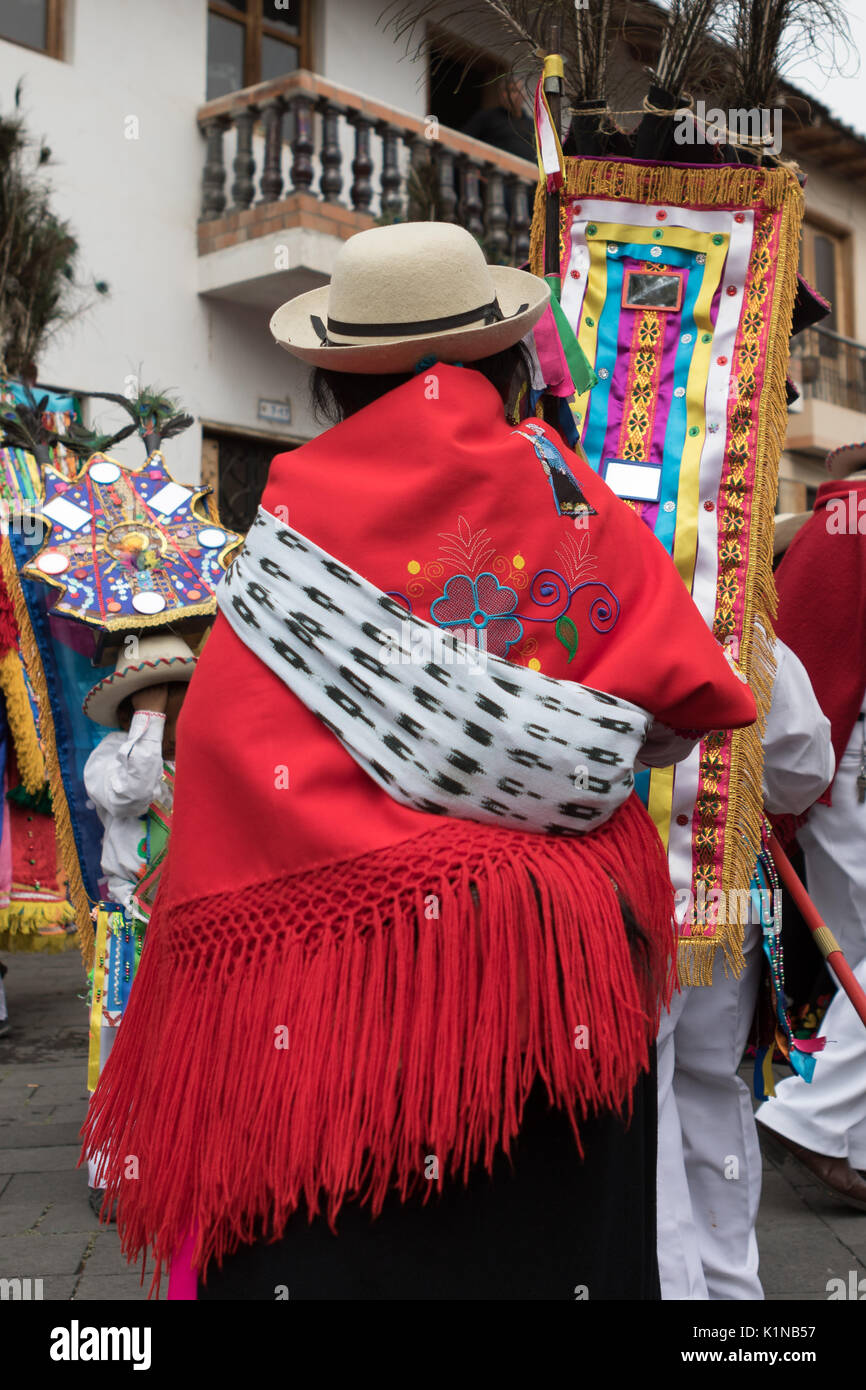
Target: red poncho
x,y
335,985
821,584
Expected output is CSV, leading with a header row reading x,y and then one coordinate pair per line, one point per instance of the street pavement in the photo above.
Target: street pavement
x,y
48,1231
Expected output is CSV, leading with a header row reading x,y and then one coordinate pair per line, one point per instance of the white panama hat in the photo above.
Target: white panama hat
x,y
405,292
158,659
841,463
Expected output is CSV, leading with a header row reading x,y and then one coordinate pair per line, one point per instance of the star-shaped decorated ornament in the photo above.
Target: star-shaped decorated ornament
x,y
129,547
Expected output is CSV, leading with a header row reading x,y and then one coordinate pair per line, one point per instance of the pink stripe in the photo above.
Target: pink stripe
x,y
183,1279
551,357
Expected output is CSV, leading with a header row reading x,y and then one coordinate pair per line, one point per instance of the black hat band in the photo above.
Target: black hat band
x,y
489,313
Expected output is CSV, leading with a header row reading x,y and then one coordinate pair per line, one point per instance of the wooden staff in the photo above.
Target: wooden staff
x,y
553,92
824,938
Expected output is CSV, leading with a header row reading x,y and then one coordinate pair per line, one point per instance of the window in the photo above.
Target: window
x,y
235,464
250,41
34,24
824,261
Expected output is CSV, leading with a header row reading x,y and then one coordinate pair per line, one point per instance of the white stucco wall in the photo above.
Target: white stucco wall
x,y
133,204
351,49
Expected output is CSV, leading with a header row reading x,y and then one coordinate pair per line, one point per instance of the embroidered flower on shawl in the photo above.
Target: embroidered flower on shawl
x,y
483,605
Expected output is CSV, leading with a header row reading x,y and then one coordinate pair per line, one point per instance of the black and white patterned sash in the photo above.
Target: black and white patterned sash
x,y
440,725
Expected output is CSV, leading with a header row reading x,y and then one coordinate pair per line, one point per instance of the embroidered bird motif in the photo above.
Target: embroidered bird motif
x,y
567,495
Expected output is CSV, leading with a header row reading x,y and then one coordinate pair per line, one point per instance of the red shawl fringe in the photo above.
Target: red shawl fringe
x,y
420,991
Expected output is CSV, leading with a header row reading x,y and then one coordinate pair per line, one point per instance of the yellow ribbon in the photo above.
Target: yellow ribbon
x,y
553,66
98,998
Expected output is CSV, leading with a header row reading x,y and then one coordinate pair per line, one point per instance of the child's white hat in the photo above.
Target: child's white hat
x,y
154,660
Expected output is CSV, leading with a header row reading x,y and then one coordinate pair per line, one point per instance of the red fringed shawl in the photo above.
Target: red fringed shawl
x,y
335,986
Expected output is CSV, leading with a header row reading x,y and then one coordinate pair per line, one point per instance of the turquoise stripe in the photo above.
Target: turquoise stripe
x,y
642,786
675,429
605,357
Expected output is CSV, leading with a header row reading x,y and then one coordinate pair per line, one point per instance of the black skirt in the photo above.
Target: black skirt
x,y
546,1225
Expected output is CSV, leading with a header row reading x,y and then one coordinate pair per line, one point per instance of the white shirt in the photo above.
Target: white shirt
x,y
798,755
123,776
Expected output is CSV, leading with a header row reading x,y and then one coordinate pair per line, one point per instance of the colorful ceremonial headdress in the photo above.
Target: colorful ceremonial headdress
x,y
680,284
668,233
677,261
129,547
108,549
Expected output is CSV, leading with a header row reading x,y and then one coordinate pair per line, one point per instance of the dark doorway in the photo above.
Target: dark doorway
x,y
236,467
456,95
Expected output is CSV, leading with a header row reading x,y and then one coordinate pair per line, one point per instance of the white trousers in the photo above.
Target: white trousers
x,y
709,1161
829,1115
4,1012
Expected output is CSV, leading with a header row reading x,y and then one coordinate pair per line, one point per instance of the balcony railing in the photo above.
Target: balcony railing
x,y
301,138
830,368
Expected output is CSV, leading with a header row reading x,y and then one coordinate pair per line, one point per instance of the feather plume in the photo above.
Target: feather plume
x,y
684,38
520,30
155,414
768,38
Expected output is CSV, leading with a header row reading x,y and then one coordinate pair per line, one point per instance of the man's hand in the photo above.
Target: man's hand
x,y
154,698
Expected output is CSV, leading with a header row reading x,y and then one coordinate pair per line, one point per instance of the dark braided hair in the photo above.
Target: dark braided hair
x,y
334,396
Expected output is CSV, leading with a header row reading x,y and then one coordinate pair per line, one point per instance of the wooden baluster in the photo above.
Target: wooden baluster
x,y
419,156
244,165
271,185
362,164
302,144
331,181
391,197
447,193
471,205
496,226
213,198
519,194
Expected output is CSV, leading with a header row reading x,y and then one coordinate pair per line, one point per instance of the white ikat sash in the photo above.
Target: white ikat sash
x,y
439,724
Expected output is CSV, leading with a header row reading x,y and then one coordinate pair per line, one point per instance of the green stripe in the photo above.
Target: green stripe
x,y
582,374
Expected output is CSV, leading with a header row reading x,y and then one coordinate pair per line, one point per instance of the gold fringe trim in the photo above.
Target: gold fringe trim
x,y
28,753
757,653
536,230
700,185
696,955
704,185
695,958
713,186
62,818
